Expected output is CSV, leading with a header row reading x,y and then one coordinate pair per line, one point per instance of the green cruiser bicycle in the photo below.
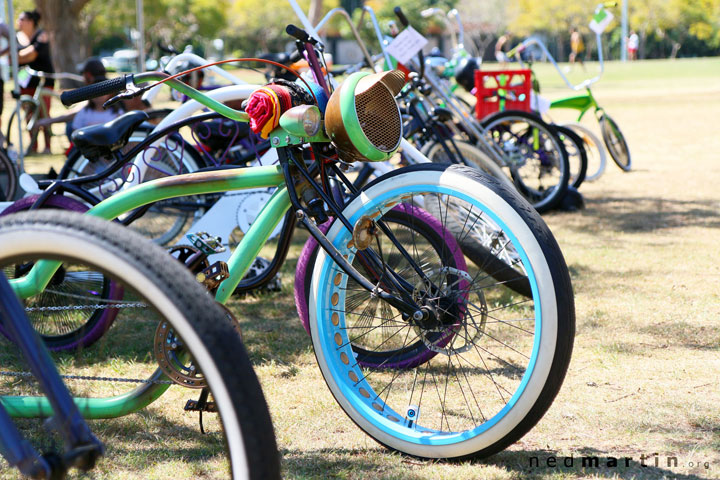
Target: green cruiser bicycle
x,y
612,135
498,357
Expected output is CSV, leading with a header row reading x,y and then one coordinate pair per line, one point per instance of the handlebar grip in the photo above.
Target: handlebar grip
x,y
87,92
401,16
299,34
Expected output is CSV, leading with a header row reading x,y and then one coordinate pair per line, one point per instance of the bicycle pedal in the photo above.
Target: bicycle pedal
x,y
206,243
198,406
213,275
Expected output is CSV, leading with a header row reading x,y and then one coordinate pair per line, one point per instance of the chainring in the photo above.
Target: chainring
x,y
174,359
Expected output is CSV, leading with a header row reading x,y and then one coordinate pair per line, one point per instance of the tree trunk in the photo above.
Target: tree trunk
x,y
61,20
675,48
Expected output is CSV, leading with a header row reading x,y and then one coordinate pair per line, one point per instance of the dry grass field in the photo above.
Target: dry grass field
x,y
643,385
645,374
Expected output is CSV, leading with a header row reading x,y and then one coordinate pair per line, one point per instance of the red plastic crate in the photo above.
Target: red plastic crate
x,y
501,90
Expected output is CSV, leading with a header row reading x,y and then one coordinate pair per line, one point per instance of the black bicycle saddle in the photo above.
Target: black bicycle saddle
x,y
98,141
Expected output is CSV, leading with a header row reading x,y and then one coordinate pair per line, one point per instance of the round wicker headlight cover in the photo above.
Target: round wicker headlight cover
x,y
362,117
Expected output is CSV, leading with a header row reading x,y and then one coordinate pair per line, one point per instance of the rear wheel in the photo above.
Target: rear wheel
x,y
166,220
63,314
8,178
495,377
28,115
169,331
577,158
536,157
594,151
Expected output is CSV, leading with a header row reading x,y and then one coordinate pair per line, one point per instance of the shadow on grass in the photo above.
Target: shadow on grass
x,y
647,214
346,463
694,337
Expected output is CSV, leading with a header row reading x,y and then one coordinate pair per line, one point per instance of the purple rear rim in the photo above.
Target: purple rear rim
x,y
309,252
115,291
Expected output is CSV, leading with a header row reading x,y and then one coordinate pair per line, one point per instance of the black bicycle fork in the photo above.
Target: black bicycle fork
x,y
403,299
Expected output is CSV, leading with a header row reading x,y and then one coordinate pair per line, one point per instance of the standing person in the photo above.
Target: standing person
x,y
632,45
502,46
35,53
577,47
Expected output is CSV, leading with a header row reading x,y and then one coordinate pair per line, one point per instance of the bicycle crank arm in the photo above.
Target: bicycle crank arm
x,y
409,309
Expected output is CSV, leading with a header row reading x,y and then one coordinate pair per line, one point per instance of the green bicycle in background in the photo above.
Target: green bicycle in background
x,y
611,133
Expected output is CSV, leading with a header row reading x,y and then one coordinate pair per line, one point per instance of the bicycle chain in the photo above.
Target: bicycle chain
x,y
96,306
85,377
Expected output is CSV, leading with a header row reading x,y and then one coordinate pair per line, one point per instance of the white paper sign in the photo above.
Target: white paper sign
x,y
600,21
406,45
538,103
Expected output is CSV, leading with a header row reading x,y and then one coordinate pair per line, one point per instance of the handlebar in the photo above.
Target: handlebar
x,y
403,19
536,41
401,16
343,13
300,34
130,82
150,95
378,33
459,40
114,85
59,75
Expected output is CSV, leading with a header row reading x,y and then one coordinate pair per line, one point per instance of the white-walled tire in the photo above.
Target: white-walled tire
x,y
158,291
495,378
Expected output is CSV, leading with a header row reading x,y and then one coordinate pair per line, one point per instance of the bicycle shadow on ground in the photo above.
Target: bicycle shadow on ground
x,y
533,464
646,214
270,325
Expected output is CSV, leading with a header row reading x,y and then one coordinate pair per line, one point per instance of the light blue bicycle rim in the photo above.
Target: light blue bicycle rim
x,y
348,375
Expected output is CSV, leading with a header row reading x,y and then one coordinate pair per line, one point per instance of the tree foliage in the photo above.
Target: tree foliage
x,y
690,27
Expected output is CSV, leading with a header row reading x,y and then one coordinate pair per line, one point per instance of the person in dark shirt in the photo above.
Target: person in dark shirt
x,y
4,33
35,53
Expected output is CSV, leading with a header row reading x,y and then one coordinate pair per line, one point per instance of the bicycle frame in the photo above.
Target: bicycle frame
x,y
217,181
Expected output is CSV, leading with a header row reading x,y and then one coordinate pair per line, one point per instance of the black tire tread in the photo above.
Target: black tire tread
x,y
206,317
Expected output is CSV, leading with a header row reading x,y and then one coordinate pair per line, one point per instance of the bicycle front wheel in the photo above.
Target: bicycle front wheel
x,y
536,157
496,375
466,154
615,142
169,331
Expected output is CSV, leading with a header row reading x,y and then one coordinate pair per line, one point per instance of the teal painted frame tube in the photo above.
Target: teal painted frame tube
x,y
91,408
253,241
162,189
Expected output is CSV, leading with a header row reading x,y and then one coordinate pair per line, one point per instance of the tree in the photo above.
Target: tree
x,y
61,19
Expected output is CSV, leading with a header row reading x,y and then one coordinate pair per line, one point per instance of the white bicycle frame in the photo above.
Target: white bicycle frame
x,y
243,206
